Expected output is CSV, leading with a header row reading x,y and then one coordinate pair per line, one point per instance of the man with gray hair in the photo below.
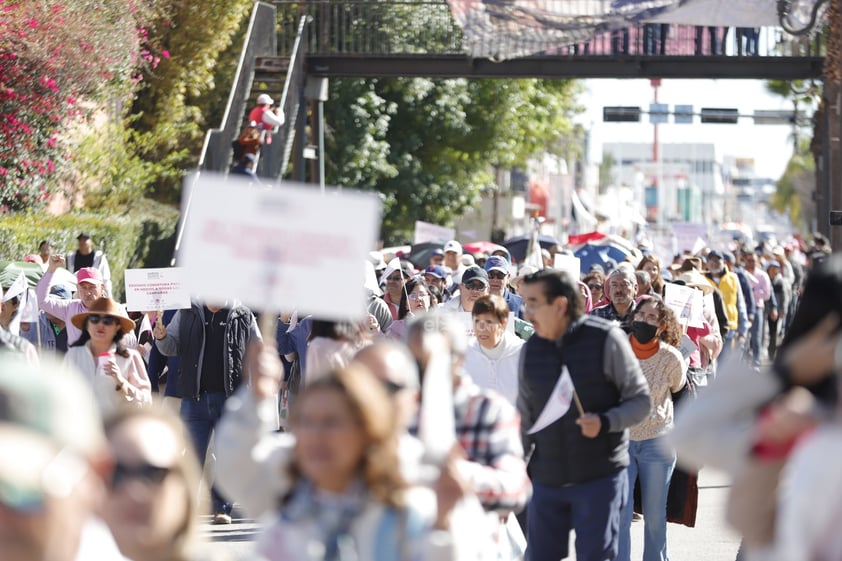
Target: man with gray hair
x,y
580,454
621,290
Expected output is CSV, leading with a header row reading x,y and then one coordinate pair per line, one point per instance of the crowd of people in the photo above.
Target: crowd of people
x,y
481,410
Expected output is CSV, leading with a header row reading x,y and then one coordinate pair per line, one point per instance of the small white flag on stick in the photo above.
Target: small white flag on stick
x,y
558,403
18,288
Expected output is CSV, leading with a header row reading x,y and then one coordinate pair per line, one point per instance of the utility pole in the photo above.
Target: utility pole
x,y
833,106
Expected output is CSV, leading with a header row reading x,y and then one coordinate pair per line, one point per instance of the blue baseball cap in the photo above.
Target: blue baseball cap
x,y
438,252
436,271
496,263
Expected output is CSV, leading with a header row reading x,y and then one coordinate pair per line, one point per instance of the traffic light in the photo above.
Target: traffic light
x,y
618,114
719,115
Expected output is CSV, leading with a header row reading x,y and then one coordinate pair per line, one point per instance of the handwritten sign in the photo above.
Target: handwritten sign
x,y
156,289
285,247
686,303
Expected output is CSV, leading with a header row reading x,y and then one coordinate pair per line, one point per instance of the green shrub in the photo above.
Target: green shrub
x,y
141,237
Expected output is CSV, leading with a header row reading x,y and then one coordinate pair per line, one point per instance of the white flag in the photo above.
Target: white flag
x,y
533,251
29,312
558,403
18,288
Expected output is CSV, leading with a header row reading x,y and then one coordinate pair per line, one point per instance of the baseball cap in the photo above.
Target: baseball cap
x,y
729,257
88,274
61,291
715,255
773,264
436,271
83,235
475,273
496,263
265,99
438,252
50,425
453,245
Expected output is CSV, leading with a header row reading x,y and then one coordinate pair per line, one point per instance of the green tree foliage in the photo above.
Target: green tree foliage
x,y
428,146
794,188
171,102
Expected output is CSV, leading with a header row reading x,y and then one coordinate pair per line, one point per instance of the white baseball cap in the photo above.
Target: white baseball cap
x,y
453,245
264,99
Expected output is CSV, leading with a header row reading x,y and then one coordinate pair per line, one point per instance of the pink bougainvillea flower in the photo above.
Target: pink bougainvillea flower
x,y
165,53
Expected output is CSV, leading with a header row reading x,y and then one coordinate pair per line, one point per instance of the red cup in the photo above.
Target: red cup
x,y
103,359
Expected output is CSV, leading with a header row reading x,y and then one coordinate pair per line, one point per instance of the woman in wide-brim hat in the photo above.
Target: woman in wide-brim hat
x,y
116,373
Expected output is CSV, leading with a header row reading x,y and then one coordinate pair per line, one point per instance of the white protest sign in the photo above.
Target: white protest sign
x,y
569,263
687,235
686,303
156,289
426,232
465,319
287,247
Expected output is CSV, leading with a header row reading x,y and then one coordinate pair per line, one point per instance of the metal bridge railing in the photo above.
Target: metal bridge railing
x,y
365,27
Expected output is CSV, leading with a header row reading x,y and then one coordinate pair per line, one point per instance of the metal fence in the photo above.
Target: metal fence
x,y
275,157
261,40
360,27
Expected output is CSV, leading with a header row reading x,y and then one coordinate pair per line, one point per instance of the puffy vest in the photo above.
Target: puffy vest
x,y
562,455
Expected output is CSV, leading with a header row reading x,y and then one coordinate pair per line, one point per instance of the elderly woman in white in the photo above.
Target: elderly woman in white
x,y
492,359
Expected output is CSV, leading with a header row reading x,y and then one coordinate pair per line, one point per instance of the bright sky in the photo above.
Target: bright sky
x,y
767,144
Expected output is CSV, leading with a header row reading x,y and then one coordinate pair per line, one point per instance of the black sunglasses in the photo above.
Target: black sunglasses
x,y
595,286
106,320
475,286
496,275
145,473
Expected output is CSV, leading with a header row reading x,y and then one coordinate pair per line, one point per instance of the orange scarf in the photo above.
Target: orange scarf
x,y
644,350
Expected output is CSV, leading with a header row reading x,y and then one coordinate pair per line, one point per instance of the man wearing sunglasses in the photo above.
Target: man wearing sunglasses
x,y
498,283
54,465
474,285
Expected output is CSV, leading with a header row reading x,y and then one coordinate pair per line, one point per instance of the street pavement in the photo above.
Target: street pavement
x,y
710,540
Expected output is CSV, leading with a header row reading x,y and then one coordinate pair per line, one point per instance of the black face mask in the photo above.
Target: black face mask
x,y
644,332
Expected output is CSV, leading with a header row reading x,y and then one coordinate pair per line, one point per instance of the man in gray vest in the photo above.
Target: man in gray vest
x,y
210,341
579,456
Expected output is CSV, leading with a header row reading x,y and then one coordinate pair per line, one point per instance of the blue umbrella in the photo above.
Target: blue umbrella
x,y
606,256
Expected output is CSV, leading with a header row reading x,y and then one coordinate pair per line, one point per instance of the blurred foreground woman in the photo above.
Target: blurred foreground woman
x,y
152,502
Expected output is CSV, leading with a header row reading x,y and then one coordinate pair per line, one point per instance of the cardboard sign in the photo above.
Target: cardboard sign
x,y
426,232
686,303
287,247
156,289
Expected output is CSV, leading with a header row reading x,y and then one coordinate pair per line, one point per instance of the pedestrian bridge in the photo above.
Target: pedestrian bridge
x,y
394,38
290,41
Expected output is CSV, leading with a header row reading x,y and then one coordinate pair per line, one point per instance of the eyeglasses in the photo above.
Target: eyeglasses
x,y
416,296
475,286
395,278
94,319
145,473
595,286
532,308
393,387
496,275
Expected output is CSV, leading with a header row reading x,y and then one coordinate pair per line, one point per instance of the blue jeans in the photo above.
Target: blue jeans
x,y
591,508
200,417
652,462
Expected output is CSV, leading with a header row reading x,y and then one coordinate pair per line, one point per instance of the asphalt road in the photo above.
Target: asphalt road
x,y
710,540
